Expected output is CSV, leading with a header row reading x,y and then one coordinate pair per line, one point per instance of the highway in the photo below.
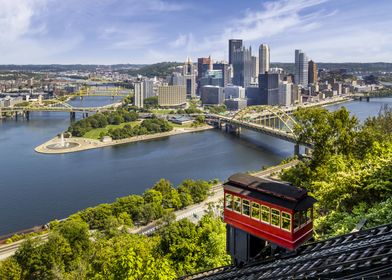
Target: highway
x,y
192,212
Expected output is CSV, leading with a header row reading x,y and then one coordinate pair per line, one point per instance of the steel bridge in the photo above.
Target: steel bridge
x,y
57,107
270,120
104,91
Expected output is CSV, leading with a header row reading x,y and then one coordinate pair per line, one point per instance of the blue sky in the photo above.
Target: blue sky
x,y
148,31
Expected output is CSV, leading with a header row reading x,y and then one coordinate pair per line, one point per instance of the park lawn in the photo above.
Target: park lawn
x,y
181,126
163,111
95,133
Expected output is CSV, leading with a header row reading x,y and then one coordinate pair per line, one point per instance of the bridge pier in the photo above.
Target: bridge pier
x,y
27,115
367,98
72,116
296,149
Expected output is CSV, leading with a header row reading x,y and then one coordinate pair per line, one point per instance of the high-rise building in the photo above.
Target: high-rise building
x,y
148,88
226,71
264,58
269,88
203,65
301,68
212,95
242,67
190,78
312,74
255,67
171,96
285,98
139,94
211,77
234,44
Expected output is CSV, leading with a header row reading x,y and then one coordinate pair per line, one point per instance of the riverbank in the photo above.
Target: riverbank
x,y
83,144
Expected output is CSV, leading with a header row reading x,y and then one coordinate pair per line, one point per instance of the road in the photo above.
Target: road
x,y
193,212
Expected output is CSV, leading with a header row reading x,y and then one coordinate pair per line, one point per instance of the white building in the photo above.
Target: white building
x,y
264,58
284,95
139,94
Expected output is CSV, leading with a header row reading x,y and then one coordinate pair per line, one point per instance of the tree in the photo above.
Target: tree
x,y
10,270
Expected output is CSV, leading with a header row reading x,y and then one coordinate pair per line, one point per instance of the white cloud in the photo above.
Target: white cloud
x,y
16,18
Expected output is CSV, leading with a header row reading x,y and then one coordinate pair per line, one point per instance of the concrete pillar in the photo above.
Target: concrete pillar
x,y
367,99
27,115
296,149
72,116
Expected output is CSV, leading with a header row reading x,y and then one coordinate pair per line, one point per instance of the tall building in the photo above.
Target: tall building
x,y
212,95
242,67
269,88
285,98
190,78
234,44
203,65
226,71
301,68
139,95
312,74
211,77
148,88
255,67
171,96
264,58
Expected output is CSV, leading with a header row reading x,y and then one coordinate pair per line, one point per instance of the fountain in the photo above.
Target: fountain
x,y
62,145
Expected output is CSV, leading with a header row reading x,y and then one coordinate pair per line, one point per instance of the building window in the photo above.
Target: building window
x,y
296,221
275,217
255,210
245,207
229,201
265,214
237,204
286,221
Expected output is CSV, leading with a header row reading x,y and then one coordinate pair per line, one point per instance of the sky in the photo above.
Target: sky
x,y
149,31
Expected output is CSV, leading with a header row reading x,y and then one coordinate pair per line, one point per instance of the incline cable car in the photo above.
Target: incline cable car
x,y
258,211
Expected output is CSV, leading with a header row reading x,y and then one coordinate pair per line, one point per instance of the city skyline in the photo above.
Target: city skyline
x,y
119,31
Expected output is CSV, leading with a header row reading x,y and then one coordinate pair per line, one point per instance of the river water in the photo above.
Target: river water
x,y
36,188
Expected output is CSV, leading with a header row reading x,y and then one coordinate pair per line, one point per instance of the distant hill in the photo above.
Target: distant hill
x,y
66,67
161,69
351,67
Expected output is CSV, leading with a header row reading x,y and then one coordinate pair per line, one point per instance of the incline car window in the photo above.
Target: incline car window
x,y
275,217
255,211
286,221
245,207
265,214
229,201
237,204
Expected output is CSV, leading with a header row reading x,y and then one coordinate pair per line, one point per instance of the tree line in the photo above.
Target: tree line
x,y
95,244
101,120
350,170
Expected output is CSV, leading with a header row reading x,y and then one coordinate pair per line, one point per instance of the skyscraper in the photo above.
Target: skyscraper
x,y
255,67
190,78
264,58
242,67
139,95
301,68
269,88
203,65
226,71
312,75
234,44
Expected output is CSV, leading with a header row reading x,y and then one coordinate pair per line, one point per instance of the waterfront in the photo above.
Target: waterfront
x,y
36,188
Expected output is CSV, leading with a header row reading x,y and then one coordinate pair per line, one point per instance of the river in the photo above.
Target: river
x,y
36,188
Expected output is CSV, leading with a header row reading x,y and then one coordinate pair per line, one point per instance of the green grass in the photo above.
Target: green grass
x,y
95,133
163,111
